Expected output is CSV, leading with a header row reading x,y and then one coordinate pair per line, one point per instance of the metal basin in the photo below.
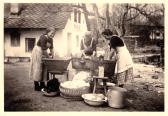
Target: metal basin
x,y
53,64
92,64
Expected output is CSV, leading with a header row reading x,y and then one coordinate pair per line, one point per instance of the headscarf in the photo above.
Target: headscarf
x,y
87,34
50,29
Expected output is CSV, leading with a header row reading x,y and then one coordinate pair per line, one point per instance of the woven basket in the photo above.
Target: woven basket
x,y
74,92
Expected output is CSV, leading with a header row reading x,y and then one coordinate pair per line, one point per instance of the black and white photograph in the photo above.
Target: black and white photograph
x,y
84,57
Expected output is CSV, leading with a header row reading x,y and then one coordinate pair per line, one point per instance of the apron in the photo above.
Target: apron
x,y
124,60
36,64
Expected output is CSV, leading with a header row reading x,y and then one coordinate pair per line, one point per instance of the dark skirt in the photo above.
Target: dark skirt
x,y
124,77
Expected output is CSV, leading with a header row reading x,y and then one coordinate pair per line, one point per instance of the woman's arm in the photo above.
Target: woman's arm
x,y
51,48
52,53
82,48
45,54
94,47
42,43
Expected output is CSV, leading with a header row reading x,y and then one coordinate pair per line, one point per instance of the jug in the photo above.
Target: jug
x,y
116,97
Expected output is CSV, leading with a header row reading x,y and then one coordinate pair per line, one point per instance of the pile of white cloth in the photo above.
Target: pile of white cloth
x,y
80,80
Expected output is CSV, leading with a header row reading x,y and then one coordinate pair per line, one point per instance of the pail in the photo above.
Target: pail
x,y
116,97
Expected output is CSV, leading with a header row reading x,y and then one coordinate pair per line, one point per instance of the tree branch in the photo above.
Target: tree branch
x,y
147,15
131,18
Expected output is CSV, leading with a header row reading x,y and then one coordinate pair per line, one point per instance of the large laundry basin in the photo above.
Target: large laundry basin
x,y
92,64
55,64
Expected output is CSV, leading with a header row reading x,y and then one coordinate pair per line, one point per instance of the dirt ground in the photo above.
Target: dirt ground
x,y
145,94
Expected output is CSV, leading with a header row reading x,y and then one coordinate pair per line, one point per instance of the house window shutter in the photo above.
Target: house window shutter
x,y
15,39
75,15
79,17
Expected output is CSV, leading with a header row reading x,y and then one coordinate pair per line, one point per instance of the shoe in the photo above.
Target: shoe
x,y
36,86
42,85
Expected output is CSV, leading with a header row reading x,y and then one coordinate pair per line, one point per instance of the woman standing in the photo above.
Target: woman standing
x,y
88,45
88,49
124,64
40,51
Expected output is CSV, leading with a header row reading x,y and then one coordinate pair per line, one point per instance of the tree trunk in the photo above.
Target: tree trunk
x,y
97,17
86,16
108,23
97,30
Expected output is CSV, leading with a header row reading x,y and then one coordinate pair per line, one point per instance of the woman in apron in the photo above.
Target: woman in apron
x,y
124,64
88,45
40,51
88,49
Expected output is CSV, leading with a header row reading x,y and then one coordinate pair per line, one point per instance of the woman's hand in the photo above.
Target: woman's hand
x,y
94,54
83,54
51,55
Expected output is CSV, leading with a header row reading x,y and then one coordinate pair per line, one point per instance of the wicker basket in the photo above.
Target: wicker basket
x,y
74,93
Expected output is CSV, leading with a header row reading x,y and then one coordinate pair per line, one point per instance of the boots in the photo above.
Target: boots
x,y
36,86
39,85
42,85
122,85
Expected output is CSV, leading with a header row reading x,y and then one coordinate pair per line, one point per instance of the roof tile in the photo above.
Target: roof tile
x,y
40,16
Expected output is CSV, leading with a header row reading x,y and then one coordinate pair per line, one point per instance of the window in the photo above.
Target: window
x,y
79,16
77,41
15,38
75,15
29,44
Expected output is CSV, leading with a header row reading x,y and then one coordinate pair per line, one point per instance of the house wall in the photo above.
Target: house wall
x,y
60,39
20,51
59,44
76,29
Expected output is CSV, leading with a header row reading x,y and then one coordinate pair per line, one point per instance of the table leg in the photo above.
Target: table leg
x,y
105,87
67,76
95,84
44,72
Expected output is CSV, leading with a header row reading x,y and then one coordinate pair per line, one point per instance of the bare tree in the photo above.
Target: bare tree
x,y
123,14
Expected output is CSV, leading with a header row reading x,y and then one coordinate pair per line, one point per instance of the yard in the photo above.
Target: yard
x,y
145,94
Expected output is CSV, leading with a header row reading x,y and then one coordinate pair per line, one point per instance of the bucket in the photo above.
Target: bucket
x,y
116,97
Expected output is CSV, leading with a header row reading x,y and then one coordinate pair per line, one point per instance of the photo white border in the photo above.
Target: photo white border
x,y
74,113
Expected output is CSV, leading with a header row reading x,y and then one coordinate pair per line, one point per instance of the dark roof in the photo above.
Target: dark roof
x,y
39,15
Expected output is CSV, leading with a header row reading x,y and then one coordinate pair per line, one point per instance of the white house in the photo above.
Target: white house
x,y
24,23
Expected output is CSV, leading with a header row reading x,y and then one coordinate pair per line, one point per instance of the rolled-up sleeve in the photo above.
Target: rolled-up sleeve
x,y
81,45
43,42
51,42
